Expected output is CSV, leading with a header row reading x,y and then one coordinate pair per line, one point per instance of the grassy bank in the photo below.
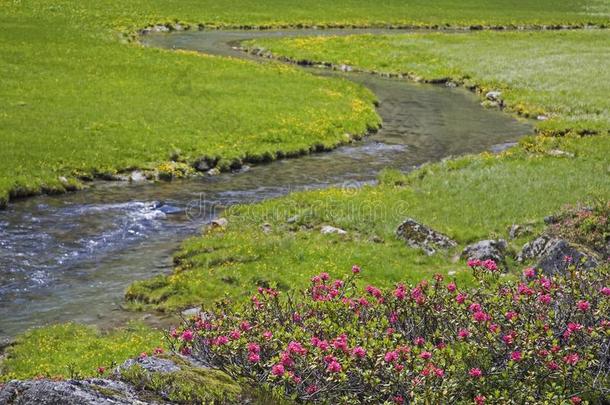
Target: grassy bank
x,y
78,103
469,198
561,75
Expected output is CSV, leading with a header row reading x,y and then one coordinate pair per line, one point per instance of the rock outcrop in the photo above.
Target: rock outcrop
x,y
420,236
93,391
554,255
487,249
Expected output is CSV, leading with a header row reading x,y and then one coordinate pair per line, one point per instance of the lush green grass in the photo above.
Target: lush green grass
x,y
78,102
560,74
470,198
70,350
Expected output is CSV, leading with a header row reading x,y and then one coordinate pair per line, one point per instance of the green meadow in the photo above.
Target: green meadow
x,y
79,101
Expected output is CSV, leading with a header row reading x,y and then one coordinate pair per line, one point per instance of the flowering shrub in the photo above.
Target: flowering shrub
x,y
537,340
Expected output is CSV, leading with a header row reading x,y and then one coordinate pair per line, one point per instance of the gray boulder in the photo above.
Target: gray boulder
x,y
71,392
555,255
422,237
487,249
151,364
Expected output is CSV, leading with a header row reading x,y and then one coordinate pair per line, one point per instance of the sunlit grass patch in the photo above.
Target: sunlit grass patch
x,y
74,351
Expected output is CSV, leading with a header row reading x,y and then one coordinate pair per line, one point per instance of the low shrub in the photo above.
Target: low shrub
x,y
536,340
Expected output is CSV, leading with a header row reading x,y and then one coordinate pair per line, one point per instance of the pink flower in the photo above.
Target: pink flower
x,y
571,359
474,307
475,372
508,339
510,315
355,269
494,328
567,259
425,355
419,341
245,326
334,367
278,370
545,283
605,291
440,373
374,291
286,360
545,299
398,400
221,340
400,292
187,335
474,263
143,355
323,345
340,343
463,334
316,280
359,352
267,335
480,316
479,400
329,358
391,357
460,298
583,306
254,358
254,348
552,365
324,276
234,335
573,327
529,273
516,356
575,400
451,287
523,289
490,265
158,350
393,317
296,348
312,389
101,370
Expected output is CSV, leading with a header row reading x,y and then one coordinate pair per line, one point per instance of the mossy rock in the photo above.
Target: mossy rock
x,y
188,385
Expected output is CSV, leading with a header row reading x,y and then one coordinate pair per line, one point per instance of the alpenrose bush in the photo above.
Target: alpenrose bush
x,y
539,340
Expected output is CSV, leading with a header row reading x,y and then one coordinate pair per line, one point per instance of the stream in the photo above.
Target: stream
x,y
70,257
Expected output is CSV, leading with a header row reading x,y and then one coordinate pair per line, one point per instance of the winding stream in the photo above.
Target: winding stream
x,y
70,257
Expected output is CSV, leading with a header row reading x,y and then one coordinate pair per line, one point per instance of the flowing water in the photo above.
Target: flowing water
x,y
70,257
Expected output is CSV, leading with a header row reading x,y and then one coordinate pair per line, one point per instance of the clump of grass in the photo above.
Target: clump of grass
x,y
74,351
561,75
